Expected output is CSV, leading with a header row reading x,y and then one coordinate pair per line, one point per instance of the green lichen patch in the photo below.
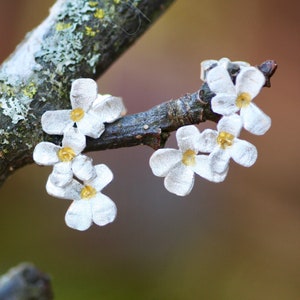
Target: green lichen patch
x,y
83,24
30,90
60,26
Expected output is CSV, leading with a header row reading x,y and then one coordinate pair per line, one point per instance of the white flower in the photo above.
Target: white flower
x,y
223,144
89,111
208,64
178,166
66,159
89,204
231,98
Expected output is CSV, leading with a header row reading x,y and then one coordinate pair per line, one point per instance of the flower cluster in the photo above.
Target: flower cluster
x,y
233,87
74,176
208,153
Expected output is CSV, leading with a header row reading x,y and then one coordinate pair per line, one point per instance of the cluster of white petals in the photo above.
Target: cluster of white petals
x,y
231,98
89,111
224,62
89,204
208,153
74,176
179,166
224,144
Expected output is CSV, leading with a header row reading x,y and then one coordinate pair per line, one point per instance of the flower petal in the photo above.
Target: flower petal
x,y
224,62
204,169
74,139
83,168
219,81
56,121
255,120
187,138
208,140
224,104
91,125
79,215
70,191
219,161
231,124
104,210
163,160
45,153
83,93
205,66
62,174
103,178
180,180
243,153
250,80
108,108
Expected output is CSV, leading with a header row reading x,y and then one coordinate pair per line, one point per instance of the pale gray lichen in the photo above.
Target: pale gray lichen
x,y
16,109
69,27
16,98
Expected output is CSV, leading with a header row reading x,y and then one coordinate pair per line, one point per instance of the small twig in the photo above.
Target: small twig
x,y
153,127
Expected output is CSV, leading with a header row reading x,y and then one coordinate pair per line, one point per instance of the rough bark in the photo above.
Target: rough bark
x,y
80,38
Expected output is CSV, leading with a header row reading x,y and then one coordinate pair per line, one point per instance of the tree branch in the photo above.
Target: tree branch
x,y
80,38
153,127
25,282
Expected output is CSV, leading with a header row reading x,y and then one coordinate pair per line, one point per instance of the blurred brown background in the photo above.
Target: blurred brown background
x,y
236,240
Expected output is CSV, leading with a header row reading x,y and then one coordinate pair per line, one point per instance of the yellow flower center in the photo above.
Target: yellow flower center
x,y
77,114
66,154
189,158
88,192
225,139
243,100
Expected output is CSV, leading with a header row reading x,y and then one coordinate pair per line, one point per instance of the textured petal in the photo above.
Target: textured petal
x,y
83,93
187,138
224,104
62,174
79,215
45,153
204,169
83,168
205,66
108,108
103,178
163,160
208,140
74,139
224,62
104,210
91,125
219,161
70,191
250,80
56,121
255,120
180,180
243,153
219,81
231,124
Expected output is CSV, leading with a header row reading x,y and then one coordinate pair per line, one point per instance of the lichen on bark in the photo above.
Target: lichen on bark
x,y
79,38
